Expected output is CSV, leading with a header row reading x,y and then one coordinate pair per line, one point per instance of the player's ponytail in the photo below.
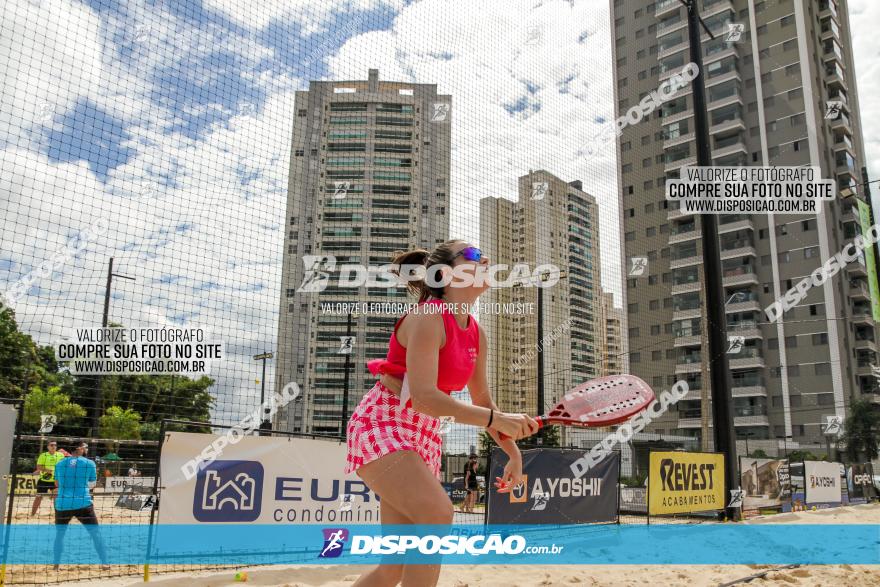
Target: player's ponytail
x,y
406,260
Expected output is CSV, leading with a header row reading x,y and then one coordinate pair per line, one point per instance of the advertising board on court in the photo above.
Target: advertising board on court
x,y
822,483
551,494
263,480
766,483
685,482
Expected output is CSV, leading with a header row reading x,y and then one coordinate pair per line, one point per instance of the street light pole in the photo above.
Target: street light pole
x,y
98,407
722,400
350,350
265,423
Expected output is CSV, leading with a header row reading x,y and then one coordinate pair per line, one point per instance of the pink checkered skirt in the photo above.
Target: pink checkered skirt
x,y
381,425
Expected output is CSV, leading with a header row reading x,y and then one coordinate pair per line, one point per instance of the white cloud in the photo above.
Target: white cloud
x,y
487,63
863,17
312,15
53,57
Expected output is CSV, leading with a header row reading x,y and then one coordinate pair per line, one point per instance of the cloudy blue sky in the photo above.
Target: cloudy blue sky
x,y
172,120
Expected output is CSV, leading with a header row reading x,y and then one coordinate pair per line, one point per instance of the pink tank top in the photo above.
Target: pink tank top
x,y
456,361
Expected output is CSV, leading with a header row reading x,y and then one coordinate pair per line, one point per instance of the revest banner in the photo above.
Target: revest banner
x,y
685,482
264,480
765,482
550,494
822,481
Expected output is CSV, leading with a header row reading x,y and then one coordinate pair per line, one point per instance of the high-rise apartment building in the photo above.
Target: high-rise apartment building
x,y
775,73
612,351
369,175
556,223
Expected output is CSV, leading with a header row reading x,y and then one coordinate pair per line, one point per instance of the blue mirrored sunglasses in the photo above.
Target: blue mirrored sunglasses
x,y
470,253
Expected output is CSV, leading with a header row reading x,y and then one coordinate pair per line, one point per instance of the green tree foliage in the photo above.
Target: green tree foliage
x,y
119,424
50,401
23,363
861,430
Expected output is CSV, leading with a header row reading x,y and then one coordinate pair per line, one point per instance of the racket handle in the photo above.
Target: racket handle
x,y
538,419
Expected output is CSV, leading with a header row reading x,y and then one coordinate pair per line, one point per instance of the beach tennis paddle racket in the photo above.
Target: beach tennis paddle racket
x,y
598,402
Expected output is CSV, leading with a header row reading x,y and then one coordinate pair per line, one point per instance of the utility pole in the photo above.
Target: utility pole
x,y
722,401
98,407
347,349
705,386
265,423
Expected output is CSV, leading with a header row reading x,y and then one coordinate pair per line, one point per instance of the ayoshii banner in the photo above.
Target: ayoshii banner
x,y
329,544
822,483
766,483
550,494
215,479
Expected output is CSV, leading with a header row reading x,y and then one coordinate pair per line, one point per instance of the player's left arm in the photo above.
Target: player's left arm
x,y
93,475
478,385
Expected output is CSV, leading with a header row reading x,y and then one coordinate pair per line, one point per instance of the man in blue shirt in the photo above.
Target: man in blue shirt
x,y
74,476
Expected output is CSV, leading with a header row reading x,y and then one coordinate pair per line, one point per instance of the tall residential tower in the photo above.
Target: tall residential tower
x,y
369,175
775,73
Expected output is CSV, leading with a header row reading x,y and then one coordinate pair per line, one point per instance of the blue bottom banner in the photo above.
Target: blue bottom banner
x,y
475,544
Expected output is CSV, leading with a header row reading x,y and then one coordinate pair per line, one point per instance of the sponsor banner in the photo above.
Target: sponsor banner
x,y
24,484
329,544
8,415
685,482
860,479
765,483
551,494
136,501
870,258
120,484
262,480
822,482
634,500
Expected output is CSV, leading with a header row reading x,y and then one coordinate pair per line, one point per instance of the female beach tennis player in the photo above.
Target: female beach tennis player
x,y
394,433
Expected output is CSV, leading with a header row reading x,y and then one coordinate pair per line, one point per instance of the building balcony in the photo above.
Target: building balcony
x,y
727,126
686,341
751,421
862,318
712,8
865,344
835,79
747,331
724,101
677,140
739,276
864,368
691,422
666,7
738,147
688,367
828,9
685,235
673,214
742,224
745,251
684,162
741,362
749,390
859,291
730,51
856,269
672,50
686,314
686,262
746,306
733,74
682,288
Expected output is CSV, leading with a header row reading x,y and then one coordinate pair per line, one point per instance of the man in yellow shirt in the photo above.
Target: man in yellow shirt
x,y
46,468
